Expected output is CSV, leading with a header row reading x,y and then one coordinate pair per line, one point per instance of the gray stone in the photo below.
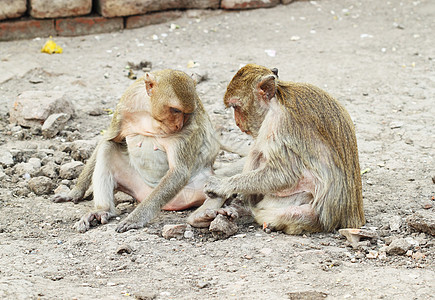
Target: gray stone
x,y
71,170
41,185
53,124
246,4
22,169
173,231
50,170
35,162
33,107
423,221
43,9
115,8
10,9
222,227
398,247
82,149
6,158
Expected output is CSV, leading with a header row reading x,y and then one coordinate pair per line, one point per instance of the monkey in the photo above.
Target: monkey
x,y
302,173
159,148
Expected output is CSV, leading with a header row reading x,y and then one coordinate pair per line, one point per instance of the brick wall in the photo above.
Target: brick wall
x,y
25,19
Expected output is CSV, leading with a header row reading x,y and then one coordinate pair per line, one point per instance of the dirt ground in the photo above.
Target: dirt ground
x,y
375,57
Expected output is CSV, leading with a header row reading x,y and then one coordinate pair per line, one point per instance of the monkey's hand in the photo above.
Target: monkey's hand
x,y
85,222
130,223
215,187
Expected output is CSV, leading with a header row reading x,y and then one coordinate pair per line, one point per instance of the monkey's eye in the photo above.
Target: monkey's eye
x,y
175,110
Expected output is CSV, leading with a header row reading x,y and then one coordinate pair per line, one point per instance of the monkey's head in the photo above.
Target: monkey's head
x,y
249,94
173,99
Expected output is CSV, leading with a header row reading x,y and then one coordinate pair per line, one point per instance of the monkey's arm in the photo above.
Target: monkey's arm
x,y
266,180
169,186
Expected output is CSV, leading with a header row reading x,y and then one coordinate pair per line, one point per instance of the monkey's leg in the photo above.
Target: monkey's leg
x,y
112,171
83,182
206,213
192,194
293,215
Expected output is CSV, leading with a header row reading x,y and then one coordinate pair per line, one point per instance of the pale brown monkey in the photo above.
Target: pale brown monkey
x,y
159,148
302,173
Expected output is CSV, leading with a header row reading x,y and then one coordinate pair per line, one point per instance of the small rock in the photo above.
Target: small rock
x,y
427,205
35,162
124,249
202,284
354,235
222,227
409,253
71,170
433,179
418,255
33,107
53,124
266,251
145,295
96,111
398,247
174,231
81,150
423,221
41,185
62,190
24,168
395,124
6,158
188,234
372,254
50,170
395,223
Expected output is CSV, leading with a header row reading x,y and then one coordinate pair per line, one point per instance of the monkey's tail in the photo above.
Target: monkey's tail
x,y
85,178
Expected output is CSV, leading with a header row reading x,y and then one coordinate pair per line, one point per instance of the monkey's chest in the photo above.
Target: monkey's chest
x,y
148,158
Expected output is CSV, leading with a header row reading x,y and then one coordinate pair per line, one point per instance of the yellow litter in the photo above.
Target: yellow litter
x,y
51,47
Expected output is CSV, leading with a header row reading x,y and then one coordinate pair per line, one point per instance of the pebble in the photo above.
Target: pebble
x,y
124,249
174,231
372,254
71,170
398,247
395,223
41,185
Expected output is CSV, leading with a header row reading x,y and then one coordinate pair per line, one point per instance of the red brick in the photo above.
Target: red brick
x,y
247,4
26,29
42,9
12,8
153,18
116,8
87,25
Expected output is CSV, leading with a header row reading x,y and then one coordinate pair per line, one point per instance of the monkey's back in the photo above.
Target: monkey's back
x,y
315,115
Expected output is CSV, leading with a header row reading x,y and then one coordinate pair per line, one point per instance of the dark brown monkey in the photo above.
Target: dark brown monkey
x,y
302,173
159,148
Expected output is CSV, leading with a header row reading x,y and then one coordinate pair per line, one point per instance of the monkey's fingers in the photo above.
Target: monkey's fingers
x,y
127,225
203,219
83,224
61,198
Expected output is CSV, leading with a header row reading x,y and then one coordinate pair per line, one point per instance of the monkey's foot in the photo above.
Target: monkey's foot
x,y
223,227
85,222
202,219
62,198
127,225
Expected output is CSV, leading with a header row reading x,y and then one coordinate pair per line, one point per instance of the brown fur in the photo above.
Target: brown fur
x,y
163,109
305,142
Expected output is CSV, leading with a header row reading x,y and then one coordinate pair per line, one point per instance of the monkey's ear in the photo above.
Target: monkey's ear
x,y
266,88
150,83
275,71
